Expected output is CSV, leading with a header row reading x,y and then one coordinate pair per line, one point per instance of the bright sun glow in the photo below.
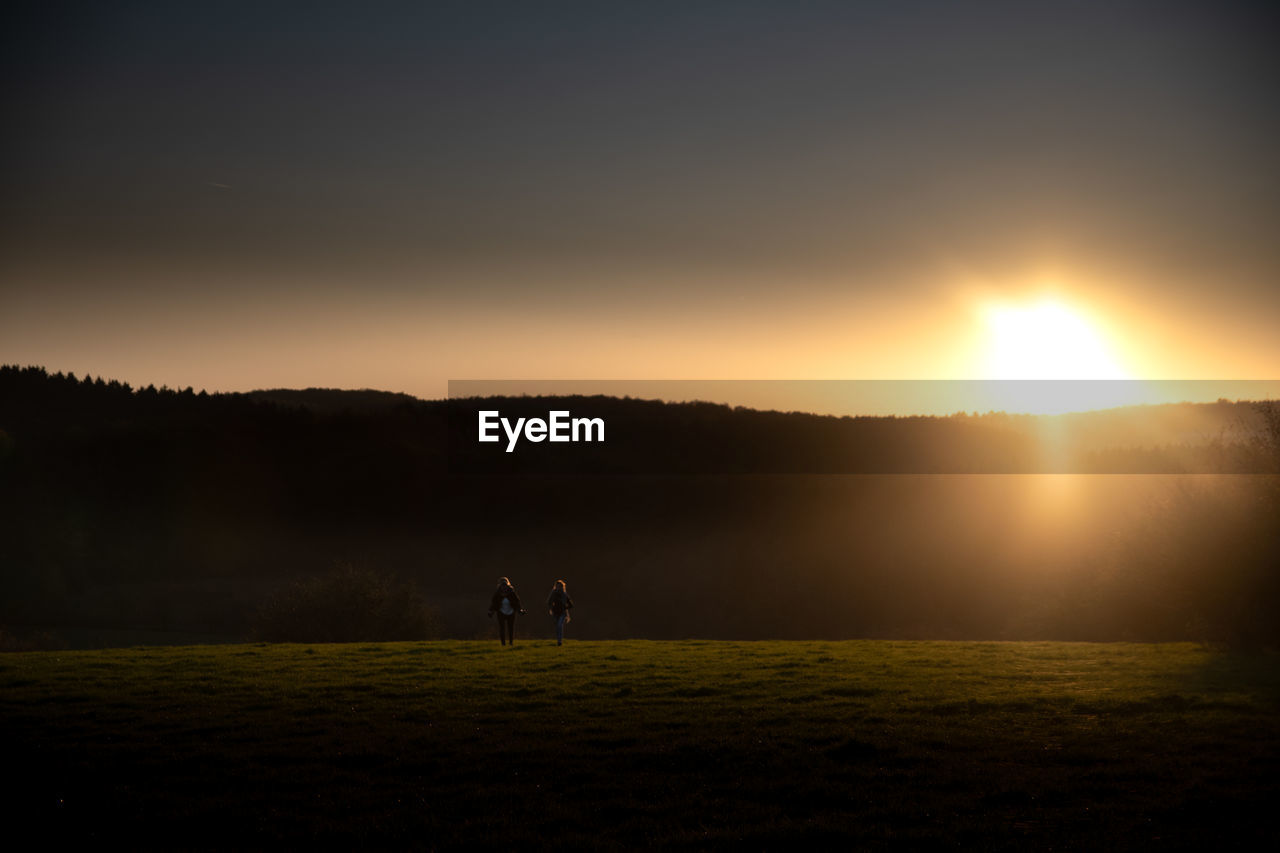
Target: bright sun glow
x,y
1046,340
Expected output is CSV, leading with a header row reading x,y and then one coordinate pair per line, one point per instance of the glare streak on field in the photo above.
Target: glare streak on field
x,y
635,743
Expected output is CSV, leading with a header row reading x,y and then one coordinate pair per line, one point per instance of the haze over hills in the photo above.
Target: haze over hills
x,y
1173,437
127,510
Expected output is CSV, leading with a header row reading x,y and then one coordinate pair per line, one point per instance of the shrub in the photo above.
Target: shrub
x,y
29,642
349,604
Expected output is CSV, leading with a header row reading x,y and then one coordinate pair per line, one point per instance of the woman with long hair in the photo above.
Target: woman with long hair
x,y
558,605
506,604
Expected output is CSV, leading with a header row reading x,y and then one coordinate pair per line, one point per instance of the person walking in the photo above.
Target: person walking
x,y
506,604
558,605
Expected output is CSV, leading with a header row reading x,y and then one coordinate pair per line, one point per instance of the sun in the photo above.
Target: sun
x,y
1046,340
1066,356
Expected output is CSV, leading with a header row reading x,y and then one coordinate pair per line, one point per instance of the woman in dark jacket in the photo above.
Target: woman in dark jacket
x,y
506,604
558,605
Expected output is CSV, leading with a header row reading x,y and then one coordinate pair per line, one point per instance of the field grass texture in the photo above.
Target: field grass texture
x,y
625,744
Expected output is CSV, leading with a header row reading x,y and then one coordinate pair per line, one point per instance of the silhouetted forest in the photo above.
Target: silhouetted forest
x,y
131,514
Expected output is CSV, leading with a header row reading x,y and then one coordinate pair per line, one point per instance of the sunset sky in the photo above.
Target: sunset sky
x,y
248,195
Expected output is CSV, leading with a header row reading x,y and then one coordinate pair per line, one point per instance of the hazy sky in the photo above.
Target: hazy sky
x,y
237,196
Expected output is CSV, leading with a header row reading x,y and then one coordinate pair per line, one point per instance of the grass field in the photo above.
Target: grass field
x,y
632,744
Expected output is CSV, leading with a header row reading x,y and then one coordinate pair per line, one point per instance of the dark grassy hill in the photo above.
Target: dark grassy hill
x,y
623,745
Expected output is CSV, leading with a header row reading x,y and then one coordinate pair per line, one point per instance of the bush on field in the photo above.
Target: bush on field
x,y
28,642
349,604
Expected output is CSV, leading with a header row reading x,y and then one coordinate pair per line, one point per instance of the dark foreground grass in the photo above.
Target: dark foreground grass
x,y
631,744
